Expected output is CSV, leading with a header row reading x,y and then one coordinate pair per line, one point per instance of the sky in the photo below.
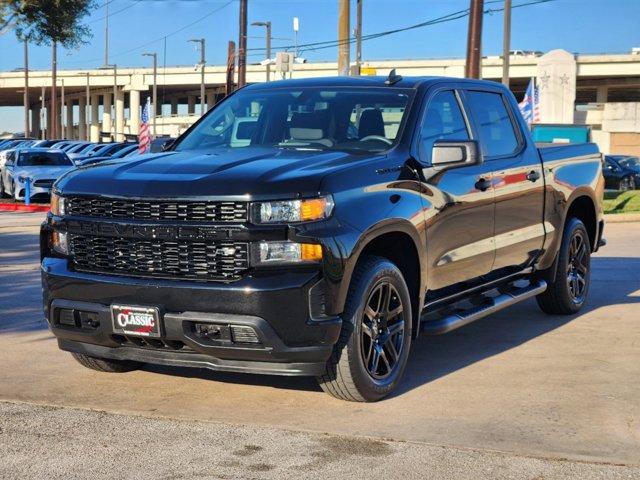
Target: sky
x,y
136,26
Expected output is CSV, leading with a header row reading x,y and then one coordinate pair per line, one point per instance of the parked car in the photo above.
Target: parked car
x,y
41,166
363,213
108,149
129,150
16,143
621,172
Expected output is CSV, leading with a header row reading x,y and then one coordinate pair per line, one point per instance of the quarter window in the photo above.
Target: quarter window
x,y
443,121
496,132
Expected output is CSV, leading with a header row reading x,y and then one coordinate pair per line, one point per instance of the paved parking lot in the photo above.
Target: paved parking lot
x,y
516,395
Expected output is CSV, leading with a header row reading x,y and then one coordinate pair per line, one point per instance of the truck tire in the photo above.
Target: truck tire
x,y
103,365
369,359
568,291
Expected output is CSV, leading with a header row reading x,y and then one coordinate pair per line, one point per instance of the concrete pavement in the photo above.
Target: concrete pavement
x,y
519,382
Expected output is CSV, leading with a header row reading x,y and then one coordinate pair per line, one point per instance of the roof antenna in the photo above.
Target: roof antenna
x,y
392,78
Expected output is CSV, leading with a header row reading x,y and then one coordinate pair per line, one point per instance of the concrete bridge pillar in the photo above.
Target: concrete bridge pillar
x,y
134,112
82,118
35,122
120,116
95,126
69,126
602,94
106,114
174,106
191,104
211,99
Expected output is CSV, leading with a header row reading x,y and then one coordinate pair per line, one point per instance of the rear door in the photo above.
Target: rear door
x,y
517,178
459,212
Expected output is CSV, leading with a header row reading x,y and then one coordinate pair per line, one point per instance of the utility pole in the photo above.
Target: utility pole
x,y
25,96
155,87
53,117
358,36
506,43
474,39
106,34
296,27
242,45
343,38
268,45
231,64
202,64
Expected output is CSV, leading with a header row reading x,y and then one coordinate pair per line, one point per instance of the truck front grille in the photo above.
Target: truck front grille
x,y
188,211
159,258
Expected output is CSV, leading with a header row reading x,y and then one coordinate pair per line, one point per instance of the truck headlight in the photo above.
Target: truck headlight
x,y
276,253
292,211
58,205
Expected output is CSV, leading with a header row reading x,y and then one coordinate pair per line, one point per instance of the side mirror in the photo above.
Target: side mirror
x,y
447,154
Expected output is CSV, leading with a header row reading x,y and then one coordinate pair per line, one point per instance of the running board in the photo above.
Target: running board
x,y
489,306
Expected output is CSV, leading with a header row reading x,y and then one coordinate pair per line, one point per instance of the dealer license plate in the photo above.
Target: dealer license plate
x,y
141,321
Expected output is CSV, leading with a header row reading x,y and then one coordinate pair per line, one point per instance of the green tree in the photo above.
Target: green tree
x,y
49,22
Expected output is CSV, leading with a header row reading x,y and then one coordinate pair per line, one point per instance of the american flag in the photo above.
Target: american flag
x,y
530,104
144,137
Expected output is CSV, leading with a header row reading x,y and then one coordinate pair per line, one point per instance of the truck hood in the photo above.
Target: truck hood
x,y
250,171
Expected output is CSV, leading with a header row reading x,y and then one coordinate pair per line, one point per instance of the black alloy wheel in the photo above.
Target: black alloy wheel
x,y
382,333
578,267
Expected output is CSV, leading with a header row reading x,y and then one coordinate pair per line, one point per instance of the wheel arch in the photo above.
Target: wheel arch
x,y
398,241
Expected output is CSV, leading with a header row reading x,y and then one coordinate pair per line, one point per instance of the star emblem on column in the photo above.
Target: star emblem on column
x,y
564,79
544,80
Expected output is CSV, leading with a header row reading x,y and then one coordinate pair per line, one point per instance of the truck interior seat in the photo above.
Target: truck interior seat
x,y
371,123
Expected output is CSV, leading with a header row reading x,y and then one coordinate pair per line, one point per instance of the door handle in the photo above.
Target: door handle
x,y
482,184
533,176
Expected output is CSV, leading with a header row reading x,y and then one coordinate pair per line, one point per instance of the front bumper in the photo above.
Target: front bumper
x,y
292,340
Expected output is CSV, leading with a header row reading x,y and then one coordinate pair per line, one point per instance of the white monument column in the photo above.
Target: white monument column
x,y
556,82
95,125
82,118
120,116
134,112
106,114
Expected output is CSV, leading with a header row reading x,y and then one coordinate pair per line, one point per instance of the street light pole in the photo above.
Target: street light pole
x,y
114,119
201,41
155,87
358,36
62,131
25,97
506,43
268,45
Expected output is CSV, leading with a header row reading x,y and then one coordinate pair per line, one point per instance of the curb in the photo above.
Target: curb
x,y
19,207
622,217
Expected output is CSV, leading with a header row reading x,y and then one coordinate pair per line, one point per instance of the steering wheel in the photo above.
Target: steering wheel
x,y
377,137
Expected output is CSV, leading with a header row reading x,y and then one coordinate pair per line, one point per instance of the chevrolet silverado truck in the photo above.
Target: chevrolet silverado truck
x,y
355,215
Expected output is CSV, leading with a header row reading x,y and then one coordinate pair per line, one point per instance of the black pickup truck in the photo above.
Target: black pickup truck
x,y
316,227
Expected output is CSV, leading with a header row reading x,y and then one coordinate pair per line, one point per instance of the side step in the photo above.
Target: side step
x,y
489,306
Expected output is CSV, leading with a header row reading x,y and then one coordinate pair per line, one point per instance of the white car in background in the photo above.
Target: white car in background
x,y
41,166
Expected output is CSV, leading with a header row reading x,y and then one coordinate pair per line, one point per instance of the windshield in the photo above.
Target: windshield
x,y
631,162
49,159
316,118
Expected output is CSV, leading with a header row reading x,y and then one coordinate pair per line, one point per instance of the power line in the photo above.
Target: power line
x,y
115,12
163,37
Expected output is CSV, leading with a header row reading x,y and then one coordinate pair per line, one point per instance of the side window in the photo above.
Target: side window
x,y
497,136
443,120
11,158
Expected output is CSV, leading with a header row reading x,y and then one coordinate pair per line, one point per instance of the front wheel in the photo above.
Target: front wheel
x,y
568,291
369,359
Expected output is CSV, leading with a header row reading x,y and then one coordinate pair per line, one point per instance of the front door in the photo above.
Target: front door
x,y
459,207
517,179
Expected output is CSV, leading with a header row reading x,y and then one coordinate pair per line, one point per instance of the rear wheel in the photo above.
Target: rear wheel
x,y
369,359
103,365
568,291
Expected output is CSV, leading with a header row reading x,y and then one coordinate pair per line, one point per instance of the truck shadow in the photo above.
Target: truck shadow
x,y
615,280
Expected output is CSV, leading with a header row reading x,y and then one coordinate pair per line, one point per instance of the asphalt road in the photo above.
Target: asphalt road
x,y
516,395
